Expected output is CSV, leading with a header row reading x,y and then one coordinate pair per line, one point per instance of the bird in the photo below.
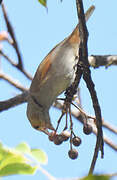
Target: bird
x,y
53,76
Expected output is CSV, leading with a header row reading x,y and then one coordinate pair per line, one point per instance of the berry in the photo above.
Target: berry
x,y
87,129
58,140
73,153
65,135
52,136
76,141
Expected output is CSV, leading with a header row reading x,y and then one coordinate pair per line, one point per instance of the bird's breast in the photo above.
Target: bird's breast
x,y
58,76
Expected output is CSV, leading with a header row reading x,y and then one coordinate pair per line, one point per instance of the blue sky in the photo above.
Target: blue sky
x,y
37,33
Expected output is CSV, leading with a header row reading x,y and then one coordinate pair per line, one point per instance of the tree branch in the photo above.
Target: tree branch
x,y
11,32
109,126
13,82
102,60
19,99
15,65
78,116
83,63
19,65
22,98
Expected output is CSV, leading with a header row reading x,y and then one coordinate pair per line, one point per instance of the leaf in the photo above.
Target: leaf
x,y
39,156
9,156
43,2
23,148
17,168
36,154
20,160
14,162
10,159
96,177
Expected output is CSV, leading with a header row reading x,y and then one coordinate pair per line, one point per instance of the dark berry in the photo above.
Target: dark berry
x,y
58,140
87,129
73,153
76,141
65,135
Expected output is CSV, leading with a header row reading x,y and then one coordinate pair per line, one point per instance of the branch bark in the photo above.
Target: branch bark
x,y
22,98
12,81
15,65
12,102
19,65
102,60
84,65
11,32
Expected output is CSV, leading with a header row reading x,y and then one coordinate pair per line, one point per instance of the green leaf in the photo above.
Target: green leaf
x,y
13,161
36,154
43,2
20,160
10,159
17,168
23,148
9,156
96,177
39,156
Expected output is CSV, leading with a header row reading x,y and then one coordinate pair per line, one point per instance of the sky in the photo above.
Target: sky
x,y
37,32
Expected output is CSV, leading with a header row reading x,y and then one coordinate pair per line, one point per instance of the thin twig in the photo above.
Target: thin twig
x,y
11,32
15,65
104,124
19,65
22,98
13,82
79,117
90,86
109,126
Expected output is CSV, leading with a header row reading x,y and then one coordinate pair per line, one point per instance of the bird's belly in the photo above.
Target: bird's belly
x,y
62,76
59,77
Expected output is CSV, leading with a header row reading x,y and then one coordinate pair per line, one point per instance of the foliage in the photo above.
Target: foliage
x,y
24,160
20,160
43,2
96,177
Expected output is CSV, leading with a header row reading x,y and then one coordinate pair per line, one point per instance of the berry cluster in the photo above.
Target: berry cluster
x,y
74,140
59,138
